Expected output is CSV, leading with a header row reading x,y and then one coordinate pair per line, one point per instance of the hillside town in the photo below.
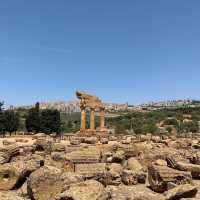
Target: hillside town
x,y
73,106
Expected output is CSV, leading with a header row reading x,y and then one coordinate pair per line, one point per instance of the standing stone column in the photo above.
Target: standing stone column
x,y
92,119
102,119
83,119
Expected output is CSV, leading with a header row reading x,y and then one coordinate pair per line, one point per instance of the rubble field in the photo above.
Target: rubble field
x,y
129,167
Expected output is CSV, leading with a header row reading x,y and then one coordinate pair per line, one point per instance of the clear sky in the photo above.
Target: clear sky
x,y
121,50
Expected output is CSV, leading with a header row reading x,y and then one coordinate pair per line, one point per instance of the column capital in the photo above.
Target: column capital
x,y
82,107
102,108
92,109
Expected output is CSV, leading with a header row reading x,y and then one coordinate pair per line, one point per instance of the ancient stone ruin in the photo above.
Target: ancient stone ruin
x,y
128,167
92,103
88,167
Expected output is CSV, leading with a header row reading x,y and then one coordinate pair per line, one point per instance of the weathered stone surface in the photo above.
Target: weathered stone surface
x,y
44,144
12,175
161,162
91,170
118,156
58,156
104,140
156,139
11,195
88,190
126,141
195,158
132,193
45,183
58,147
27,150
115,167
142,147
113,175
160,176
75,141
133,164
118,167
69,178
84,156
8,142
183,166
55,163
88,100
21,140
129,150
113,145
113,138
7,152
71,148
144,138
130,177
90,140
111,178
181,191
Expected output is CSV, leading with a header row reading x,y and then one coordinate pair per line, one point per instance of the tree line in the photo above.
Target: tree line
x,y
148,122
47,121
9,120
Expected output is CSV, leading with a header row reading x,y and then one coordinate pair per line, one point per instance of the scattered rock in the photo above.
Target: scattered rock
x,y
181,191
130,177
11,195
90,140
133,164
104,140
132,193
45,183
160,176
88,190
13,175
161,162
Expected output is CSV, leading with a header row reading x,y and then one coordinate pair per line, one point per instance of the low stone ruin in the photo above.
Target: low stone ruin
x,y
100,168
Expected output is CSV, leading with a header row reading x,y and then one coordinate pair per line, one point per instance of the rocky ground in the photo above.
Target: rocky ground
x,y
100,168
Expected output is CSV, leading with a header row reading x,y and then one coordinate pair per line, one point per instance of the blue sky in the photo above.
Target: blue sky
x,y
123,51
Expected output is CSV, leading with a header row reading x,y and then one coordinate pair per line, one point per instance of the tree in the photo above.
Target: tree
x,y
1,106
191,126
67,127
2,119
50,121
120,129
33,119
150,128
11,120
137,125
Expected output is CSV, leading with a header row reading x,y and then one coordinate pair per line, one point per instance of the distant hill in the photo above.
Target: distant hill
x,y
74,106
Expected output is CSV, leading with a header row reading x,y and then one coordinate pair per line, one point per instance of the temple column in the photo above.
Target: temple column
x,y
102,119
92,119
83,119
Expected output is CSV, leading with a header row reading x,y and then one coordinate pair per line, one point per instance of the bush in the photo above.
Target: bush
x,y
50,121
150,128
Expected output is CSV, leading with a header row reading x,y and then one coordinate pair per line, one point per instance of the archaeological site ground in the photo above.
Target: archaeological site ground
x,y
95,164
